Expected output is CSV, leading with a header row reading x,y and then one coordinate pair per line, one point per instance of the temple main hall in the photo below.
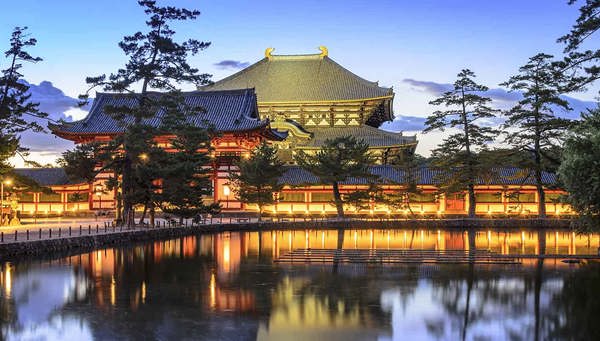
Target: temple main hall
x,y
296,102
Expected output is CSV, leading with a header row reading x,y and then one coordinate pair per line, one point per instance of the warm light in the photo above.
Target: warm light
x,y
143,156
439,212
226,190
7,281
371,212
7,181
306,212
113,291
213,291
144,292
246,155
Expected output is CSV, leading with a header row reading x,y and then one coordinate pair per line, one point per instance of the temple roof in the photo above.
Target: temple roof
x,y
301,78
296,176
47,176
226,111
372,136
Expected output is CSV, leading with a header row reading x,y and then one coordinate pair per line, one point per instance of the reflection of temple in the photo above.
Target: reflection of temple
x,y
229,279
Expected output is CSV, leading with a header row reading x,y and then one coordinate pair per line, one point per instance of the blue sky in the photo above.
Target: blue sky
x,y
405,44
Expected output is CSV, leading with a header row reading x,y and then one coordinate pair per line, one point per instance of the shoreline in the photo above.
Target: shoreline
x,y
49,247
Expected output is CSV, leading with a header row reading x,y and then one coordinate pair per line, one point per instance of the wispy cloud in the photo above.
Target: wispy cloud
x,y
405,123
501,98
231,64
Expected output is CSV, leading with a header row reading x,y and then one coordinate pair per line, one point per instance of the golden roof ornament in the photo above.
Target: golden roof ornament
x,y
324,51
268,53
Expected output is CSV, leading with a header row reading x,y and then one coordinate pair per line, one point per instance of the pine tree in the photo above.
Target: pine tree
x,y
456,156
258,177
80,162
531,125
409,165
582,65
185,179
156,62
15,107
338,160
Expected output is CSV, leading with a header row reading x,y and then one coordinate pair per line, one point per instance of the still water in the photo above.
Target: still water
x,y
231,286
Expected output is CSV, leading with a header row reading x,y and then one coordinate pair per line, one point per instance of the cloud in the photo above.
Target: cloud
x,y
433,88
58,106
231,64
501,98
405,123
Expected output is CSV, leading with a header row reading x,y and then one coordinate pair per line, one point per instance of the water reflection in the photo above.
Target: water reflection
x,y
226,286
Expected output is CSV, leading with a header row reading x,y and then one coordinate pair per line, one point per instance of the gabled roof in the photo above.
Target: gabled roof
x,y
372,136
301,78
226,111
296,176
47,176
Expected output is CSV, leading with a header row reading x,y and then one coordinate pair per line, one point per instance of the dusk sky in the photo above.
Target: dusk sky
x,y
415,46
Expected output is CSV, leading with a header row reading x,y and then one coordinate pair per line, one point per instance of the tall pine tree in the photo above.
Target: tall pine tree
x,y
581,62
16,109
457,155
532,125
156,62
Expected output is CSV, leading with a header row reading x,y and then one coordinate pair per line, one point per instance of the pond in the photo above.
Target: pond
x,y
245,286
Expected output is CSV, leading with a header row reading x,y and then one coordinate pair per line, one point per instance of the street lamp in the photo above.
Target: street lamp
x,y
2,183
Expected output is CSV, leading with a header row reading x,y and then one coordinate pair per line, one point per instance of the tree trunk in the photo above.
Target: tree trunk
x,y
541,194
260,210
128,215
141,221
472,202
339,204
152,215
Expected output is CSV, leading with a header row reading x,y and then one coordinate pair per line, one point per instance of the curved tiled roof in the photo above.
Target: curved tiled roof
x,y
233,110
372,136
301,78
297,176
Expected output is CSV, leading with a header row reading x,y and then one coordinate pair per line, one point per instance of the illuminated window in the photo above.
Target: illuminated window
x,y
488,197
321,197
291,197
78,197
49,197
524,197
553,197
422,197
26,197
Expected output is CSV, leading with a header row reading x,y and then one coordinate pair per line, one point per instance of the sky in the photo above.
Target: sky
x,y
417,47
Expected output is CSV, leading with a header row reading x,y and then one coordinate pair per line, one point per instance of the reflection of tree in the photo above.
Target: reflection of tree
x,y
475,297
577,306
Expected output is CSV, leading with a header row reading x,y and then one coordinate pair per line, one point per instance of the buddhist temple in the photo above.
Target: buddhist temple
x,y
295,102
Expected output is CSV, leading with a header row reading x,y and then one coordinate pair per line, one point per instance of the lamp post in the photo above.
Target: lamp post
x,y
2,183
